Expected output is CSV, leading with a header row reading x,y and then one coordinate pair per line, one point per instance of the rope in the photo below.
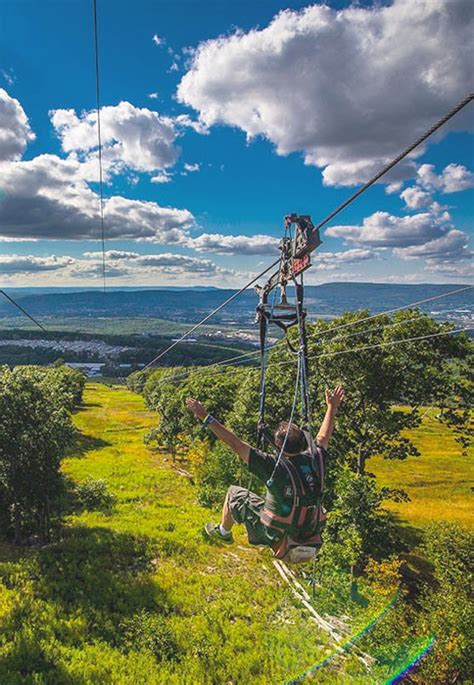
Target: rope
x,y
269,482
330,330
99,138
399,158
32,318
231,369
210,315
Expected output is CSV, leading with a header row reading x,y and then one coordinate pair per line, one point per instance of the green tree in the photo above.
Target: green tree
x,y
35,430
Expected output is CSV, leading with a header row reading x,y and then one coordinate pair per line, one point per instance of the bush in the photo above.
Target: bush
x,y
93,494
448,605
150,632
220,469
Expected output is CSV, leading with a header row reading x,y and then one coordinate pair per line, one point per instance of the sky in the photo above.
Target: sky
x,y
218,119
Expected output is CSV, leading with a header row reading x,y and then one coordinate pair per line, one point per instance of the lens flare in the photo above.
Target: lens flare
x,y
346,646
414,661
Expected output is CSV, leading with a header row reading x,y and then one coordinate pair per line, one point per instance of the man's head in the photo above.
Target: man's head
x,y
295,442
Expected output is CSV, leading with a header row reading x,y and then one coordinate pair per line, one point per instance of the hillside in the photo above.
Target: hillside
x,y
440,482
135,595
187,306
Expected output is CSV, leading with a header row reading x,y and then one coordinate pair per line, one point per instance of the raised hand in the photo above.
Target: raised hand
x,y
197,408
335,397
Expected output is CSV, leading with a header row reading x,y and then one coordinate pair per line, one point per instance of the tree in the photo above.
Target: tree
x,y
35,430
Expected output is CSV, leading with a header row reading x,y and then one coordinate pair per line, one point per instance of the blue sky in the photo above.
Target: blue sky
x,y
232,116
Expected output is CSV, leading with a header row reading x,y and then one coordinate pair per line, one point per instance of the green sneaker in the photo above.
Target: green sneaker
x,y
213,533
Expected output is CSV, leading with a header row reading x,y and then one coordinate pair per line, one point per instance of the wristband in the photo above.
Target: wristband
x,y
209,419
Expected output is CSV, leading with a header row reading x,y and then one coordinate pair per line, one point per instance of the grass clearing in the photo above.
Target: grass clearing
x,y
440,482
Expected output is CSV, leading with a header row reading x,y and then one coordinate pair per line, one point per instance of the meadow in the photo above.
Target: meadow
x,y
439,483
132,593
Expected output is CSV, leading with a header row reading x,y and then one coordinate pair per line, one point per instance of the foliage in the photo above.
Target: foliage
x,y
35,430
150,632
357,528
219,470
93,494
448,605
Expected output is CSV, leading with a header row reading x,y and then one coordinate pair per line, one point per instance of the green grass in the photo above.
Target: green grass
x,y
440,482
135,595
106,325
67,611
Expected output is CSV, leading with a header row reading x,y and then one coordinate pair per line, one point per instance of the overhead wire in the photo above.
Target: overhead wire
x,y
99,140
330,216
247,356
32,318
209,316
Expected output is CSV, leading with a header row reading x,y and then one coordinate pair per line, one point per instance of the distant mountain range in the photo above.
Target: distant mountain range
x,y
191,304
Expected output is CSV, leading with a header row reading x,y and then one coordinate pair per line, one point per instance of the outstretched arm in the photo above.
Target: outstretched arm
x,y
333,400
220,431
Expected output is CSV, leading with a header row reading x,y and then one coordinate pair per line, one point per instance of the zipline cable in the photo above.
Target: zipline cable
x,y
32,318
231,369
210,315
99,139
399,158
330,216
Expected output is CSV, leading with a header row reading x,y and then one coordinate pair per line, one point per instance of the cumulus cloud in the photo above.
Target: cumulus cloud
x,y
234,244
47,197
331,261
132,137
452,246
382,229
17,264
453,178
157,39
416,198
15,131
122,264
397,67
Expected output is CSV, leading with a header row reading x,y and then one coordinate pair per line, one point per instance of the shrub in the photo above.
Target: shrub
x,y
93,494
150,632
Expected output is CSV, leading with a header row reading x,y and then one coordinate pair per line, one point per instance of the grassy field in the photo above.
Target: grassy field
x,y
440,482
136,595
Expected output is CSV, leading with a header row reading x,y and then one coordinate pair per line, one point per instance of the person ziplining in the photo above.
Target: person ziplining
x,y
294,482
291,516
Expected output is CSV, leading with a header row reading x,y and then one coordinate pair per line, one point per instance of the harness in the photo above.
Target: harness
x,y
299,530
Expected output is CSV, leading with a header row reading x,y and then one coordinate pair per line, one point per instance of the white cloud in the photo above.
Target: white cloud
x,y
382,229
15,131
16,264
349,88
157,39
132,137
9,76
48,198
161,178
331,261
453,246
416,198
453,178
191,168
153,96
119,264
234,244
185,121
